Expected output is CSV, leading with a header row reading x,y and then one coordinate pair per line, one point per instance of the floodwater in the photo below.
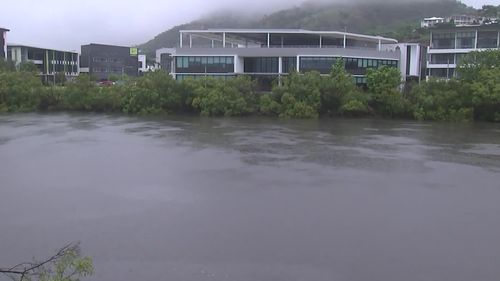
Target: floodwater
x,y
187,198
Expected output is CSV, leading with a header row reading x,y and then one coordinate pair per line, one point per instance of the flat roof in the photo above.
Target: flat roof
x,y
4,29
292,31
38,47
107,45
492,26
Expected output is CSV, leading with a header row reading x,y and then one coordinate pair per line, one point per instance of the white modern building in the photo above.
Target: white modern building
x,y
265,54
3,42
459,20
143,64
48,61
449,44
430,22
412,60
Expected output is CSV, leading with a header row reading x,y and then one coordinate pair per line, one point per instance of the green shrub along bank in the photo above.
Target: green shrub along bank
x,y
474,96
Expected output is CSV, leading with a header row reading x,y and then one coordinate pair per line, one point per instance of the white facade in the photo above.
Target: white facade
x,y
430,22
448,46
142,63
263,53
49,61
411,59
463,20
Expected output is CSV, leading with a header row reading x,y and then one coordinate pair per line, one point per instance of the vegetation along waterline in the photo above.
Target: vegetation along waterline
x,y
473,96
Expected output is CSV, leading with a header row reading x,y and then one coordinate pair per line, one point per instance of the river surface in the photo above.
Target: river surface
x,y
192,199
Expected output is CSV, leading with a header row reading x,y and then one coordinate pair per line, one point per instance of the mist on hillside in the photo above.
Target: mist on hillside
x,y
391,18
130,23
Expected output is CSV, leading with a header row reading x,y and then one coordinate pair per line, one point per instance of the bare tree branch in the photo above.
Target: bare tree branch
x,y
33,268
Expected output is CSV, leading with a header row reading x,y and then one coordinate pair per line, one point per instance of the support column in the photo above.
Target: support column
x,y
281,41
47,64
223,39
280,71
345,40
190,41
280,65
475,41
238,68
379,44
456,39
498,40
212,43
268,40
180,39
298,64
320,41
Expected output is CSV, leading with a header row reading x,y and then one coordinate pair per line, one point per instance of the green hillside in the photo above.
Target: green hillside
x,y
396,19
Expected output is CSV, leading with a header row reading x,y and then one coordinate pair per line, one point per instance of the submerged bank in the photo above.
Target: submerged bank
x,y
475,96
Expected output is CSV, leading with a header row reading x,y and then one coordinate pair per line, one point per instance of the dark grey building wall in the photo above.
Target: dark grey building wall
x,y
2,44
106,60
166,62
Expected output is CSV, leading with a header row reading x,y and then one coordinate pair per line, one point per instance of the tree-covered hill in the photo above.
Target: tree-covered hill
x,y
393,18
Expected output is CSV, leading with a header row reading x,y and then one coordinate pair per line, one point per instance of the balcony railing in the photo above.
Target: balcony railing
x,y
228,46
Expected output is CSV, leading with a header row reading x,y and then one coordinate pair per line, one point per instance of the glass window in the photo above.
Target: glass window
x,y
442,59
466,40
445,40
459,58
487,39
261,65
202,64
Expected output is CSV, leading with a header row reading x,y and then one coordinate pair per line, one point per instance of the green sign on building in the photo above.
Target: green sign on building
x,y
133,52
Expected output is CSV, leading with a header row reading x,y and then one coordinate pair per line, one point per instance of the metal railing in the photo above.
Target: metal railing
x,y
280,47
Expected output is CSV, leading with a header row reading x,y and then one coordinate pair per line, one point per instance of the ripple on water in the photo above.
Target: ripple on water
x,y
487,149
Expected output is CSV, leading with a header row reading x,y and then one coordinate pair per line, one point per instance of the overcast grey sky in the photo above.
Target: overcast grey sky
x,y
63,24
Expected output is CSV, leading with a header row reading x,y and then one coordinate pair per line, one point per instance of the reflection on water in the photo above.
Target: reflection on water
x,y
189,198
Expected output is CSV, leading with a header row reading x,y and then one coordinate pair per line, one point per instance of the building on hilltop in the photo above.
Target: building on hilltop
x,y
49,62
265,54
430,22
463,20
3,42
458,20
103,61
448,45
